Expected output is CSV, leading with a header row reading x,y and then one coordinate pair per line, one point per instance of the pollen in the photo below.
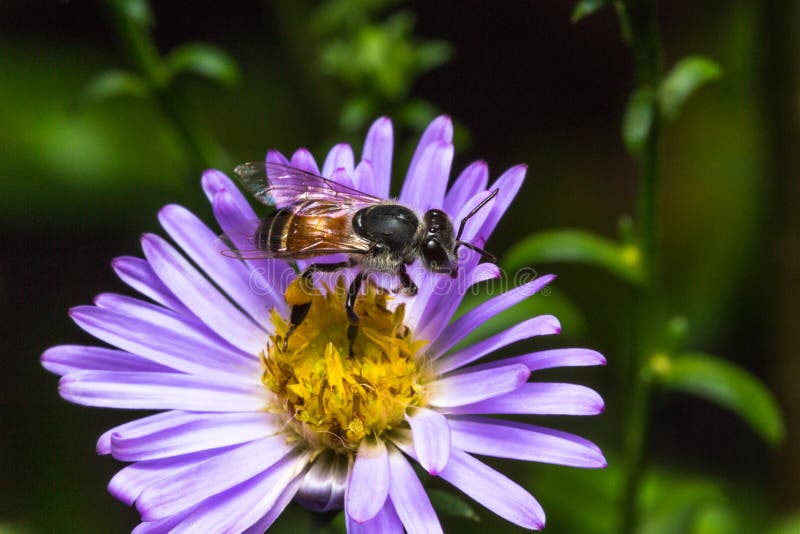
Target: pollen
x,y
336,392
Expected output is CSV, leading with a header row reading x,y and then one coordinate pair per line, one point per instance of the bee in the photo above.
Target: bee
x,y
317,217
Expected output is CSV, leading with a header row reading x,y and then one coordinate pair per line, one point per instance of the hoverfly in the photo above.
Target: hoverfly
x,y
317,217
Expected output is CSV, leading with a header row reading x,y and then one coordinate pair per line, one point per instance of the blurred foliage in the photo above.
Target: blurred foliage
x,y
377,61
724,383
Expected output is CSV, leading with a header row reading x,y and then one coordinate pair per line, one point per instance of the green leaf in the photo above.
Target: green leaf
x,y
584,8
577,246
452,505
113,83
685,77
638,119
726,384
205,60
137,11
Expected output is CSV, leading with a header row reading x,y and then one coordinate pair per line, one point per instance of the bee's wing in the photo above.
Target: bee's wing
x,y
281,185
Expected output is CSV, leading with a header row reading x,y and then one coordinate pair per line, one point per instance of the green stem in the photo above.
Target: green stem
x,y
639,20
200,146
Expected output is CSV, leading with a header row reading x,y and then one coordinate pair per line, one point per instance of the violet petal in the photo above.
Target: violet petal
x,y
545,398
547,359
472,387
303,160
537,326
368,486
378,148
470,182
493,490
239,507
190,433
138,274
201,244
507,439
409,498
386,521
339,157
161,336
201,296
461,327
162,391
132,480
187,488
431,438
65,359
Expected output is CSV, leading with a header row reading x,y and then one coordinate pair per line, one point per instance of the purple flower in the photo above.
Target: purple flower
x,y
251,425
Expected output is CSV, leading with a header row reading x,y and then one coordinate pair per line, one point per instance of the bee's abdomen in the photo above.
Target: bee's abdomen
x,y
271,234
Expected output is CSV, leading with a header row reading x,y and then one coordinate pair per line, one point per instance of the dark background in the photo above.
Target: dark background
x,y
78,185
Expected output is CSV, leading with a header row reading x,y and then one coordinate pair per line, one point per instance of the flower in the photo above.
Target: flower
x,y
252,423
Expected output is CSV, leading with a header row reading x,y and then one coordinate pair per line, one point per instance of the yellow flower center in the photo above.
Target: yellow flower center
x,y
336,392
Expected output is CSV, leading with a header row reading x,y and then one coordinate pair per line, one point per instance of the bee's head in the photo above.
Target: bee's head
x,y
437,247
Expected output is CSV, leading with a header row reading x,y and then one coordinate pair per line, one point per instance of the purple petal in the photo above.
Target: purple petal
x,y
341,176
475,223
385,521
508,185
547,359
378,152
463,326
65,359
540,398
441,306
410,501
138,274
496,492
431,438
364,179
368,486
214,181
200,296
340,157
261,526
161,336
152,421
190,432
439,130
472,387
187,488
427,177
162,526
470,182
131,481
201,244
537,326
303,160
324,485
273,156
506,439
268,278
240,507
162,391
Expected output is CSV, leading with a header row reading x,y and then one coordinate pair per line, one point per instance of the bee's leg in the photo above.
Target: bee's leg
x,y
352,294
407,285
299,311
323,268
296,316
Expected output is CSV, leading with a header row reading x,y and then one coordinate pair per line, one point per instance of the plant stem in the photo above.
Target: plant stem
x,y
201,147
639,19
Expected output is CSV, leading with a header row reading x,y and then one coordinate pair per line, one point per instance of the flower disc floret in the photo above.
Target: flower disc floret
x,y
335,392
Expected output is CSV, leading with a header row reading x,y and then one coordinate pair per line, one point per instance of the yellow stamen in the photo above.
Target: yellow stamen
x,y
335,394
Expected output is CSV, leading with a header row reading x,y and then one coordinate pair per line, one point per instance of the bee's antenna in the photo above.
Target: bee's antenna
x,y
473,212
488,255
